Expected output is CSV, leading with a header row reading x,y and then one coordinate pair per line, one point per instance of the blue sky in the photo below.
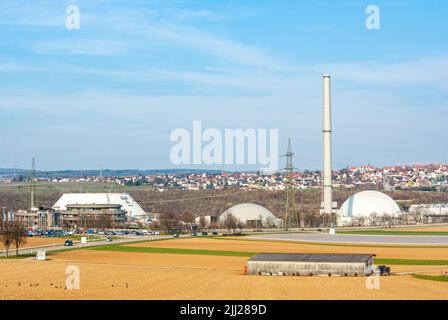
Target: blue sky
x,y
111,92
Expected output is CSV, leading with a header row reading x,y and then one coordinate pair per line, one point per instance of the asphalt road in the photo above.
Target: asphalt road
x,y
354,238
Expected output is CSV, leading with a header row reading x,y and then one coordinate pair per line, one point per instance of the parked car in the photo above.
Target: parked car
x,y
108,239
138,233
176,235
204,233
214,233
68,243
194,234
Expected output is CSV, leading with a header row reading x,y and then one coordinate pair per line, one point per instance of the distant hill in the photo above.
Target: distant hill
x,y
8,172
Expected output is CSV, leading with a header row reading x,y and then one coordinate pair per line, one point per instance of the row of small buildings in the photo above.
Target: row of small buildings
x,y
395,177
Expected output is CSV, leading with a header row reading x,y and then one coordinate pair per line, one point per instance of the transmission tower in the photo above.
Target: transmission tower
x,y
386,183
291,216
32,184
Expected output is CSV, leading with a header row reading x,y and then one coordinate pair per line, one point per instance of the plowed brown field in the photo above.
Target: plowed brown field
x,y
131,275
277,246
428,229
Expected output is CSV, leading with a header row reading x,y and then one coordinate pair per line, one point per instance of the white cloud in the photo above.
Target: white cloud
x,y
188,14
80,47
428,71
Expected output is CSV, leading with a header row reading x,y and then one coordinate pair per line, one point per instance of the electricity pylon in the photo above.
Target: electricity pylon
x,y
386,183
32,184
291,215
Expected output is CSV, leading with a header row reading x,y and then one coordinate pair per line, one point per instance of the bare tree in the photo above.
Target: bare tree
x,y
6,236
213,225
155,225
18,234
170,221
270,222
202,222
230,221
373,219
240,225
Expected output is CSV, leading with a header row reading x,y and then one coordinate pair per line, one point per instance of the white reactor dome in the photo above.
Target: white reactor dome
x,y
365,203
251,213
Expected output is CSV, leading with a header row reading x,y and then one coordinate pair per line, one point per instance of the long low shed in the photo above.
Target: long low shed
x,y
308,264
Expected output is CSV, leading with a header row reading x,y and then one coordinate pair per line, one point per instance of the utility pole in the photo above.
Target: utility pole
x,y
386,183
32,184
291,216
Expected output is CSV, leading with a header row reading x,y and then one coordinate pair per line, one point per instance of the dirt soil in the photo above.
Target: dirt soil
x,y
277,246
428,229
125,275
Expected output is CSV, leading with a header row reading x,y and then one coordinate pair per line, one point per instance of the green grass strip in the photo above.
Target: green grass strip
x,y
401,233
174,251
412,262
23,256
433,278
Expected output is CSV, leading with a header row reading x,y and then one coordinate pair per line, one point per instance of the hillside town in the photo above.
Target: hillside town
x,y
428,177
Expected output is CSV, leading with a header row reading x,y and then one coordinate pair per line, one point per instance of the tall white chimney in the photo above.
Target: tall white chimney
x,y
327,145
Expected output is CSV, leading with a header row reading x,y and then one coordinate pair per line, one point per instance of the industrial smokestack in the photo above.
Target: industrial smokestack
x,y
328,201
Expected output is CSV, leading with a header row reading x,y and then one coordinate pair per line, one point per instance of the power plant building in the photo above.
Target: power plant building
x,y
127,203
80,209
364,204
251,215
430,209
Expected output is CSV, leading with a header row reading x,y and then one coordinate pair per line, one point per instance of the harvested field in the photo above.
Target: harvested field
x,y
290,247
138,275
428,229
111,275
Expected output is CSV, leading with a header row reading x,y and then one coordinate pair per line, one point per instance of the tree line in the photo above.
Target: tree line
x,y
12,233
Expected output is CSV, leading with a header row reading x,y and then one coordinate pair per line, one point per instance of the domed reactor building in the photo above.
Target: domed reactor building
x,y
251,214
361,206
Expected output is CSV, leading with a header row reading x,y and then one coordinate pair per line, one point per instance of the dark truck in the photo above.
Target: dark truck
x,y
384,270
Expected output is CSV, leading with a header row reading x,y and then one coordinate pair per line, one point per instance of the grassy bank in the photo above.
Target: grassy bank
x,y
433,278
19,256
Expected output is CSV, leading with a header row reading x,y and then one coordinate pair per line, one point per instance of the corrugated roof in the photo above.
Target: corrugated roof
x,y
312,257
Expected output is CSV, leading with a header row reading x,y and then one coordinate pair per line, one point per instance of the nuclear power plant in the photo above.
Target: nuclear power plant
x,y
359,206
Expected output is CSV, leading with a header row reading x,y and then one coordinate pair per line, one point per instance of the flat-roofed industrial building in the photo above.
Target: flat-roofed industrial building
x,y
92,215
309,264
